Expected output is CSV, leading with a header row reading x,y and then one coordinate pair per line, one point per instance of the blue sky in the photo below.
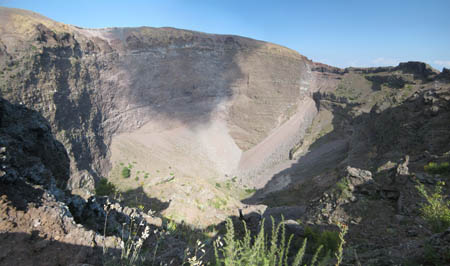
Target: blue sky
x,y
340,32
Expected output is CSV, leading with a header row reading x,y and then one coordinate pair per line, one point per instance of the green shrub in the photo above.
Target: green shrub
x,y
170,225
262,250
250,190
343,189
436,210
126,172
437,168
342,184
105,188
329,240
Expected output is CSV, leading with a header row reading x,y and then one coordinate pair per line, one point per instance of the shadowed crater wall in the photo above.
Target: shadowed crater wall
x,y
93,84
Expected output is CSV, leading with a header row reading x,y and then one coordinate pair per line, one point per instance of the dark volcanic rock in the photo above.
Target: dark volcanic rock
x,y
29,149
418,69
444,75
36,226
40,222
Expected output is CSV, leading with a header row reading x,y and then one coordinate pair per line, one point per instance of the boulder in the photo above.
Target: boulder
x,y
418,69
357,176
82,183
444,75
294,228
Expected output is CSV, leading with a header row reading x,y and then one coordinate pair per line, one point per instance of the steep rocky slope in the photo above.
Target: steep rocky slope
x,y
362,158
94,84
36,226
209,107
42,223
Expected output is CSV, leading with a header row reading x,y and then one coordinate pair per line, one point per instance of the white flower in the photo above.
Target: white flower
x,y
146,232
139,242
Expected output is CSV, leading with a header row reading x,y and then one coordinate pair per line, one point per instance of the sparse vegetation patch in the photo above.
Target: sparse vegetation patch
x,y
437,168
250,190
436,209
218,203
342,189
265,250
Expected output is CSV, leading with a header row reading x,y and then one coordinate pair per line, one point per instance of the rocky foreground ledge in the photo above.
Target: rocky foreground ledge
x,y
41,222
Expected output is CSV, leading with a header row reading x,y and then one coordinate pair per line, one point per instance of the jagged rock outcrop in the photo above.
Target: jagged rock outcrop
x,y
42,223
444,75
36,226
28,148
